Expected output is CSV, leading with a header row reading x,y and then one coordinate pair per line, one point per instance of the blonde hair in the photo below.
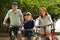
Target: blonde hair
x,y
44,10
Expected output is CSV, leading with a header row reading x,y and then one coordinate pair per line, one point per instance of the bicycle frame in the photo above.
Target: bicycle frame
x,y
13,35
47,33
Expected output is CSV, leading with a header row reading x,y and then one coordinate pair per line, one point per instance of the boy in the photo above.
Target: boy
x,y
28,24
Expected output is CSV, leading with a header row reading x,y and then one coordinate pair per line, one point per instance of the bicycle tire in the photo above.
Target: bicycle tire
x,y
46,38
12,38
28,38
56,38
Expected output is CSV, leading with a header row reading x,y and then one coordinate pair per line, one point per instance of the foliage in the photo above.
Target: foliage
x,y
53,7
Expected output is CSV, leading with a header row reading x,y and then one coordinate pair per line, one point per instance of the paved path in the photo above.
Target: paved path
x,y
6,38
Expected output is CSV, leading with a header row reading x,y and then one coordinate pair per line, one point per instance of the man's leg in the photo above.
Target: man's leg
x,y
9,32
19,35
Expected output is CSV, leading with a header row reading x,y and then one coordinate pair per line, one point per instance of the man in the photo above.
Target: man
x,y
16,19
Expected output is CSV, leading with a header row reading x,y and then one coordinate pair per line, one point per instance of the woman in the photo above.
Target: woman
x,y
44,19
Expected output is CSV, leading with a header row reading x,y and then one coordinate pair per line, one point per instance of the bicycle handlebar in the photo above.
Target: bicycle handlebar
x,y
20,28
44,26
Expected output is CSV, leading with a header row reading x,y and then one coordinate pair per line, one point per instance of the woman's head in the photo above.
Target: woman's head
x,y
43,11
28,16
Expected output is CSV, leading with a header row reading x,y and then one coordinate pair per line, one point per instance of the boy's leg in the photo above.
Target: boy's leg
x,y
33,38
8,38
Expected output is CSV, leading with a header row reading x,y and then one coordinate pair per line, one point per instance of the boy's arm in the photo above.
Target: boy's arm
x,y
33,24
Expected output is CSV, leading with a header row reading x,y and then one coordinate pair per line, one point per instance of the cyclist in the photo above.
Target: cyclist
x,y
16,19
29,24
44,19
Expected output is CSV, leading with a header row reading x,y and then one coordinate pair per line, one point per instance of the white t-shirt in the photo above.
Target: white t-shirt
x,y
44,21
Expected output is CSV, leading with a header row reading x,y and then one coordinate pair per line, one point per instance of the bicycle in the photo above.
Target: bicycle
x,y
45,36
29,37
13,36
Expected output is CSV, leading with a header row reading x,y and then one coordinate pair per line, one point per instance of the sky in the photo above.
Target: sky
x,y
57,26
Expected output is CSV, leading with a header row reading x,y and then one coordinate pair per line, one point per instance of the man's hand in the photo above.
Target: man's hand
x,y
5,19
21,26
5,24
22,20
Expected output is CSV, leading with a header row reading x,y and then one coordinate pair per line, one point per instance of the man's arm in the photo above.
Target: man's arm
x,y
5,19
22,20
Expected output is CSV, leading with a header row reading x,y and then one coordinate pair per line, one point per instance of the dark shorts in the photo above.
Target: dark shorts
x,y
14,29
29,33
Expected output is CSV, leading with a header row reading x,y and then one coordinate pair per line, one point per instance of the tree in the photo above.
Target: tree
x,y
53,7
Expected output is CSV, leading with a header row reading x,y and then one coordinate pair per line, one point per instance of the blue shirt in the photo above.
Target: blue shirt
x,y
28,24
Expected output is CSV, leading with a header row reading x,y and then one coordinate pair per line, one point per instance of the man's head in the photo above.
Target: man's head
x,y
14,5
28,16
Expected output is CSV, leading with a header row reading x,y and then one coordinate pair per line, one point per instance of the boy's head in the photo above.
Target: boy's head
x,y
28,16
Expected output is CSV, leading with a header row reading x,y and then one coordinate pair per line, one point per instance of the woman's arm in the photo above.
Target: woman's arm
x,y
50,19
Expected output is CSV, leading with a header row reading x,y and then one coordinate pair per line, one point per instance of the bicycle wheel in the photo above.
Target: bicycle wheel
x,y
12,38
28,38
37,38
56,38
46,38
